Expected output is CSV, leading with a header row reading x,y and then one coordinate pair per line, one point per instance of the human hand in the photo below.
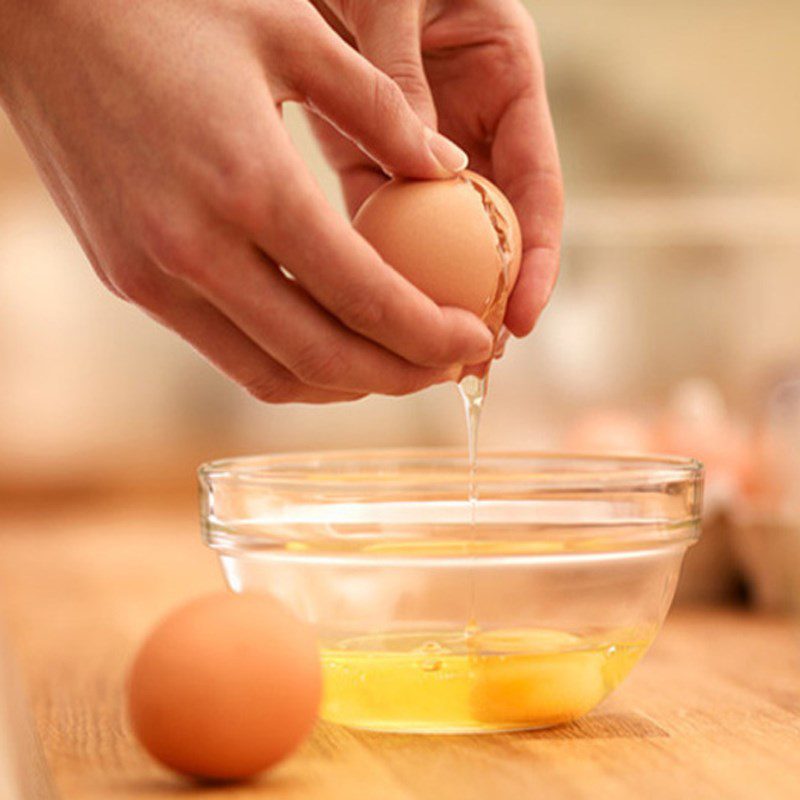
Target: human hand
x,y
475,65
157,129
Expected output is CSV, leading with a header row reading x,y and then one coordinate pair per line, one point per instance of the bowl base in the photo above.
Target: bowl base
x,y
431,729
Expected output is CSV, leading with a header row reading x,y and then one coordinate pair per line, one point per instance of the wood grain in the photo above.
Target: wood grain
x,y
23,770
712,712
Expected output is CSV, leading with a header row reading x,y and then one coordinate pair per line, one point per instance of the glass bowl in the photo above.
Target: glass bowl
x,y
439,612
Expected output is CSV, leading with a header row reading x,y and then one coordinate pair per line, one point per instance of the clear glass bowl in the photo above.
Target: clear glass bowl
x,y
521,609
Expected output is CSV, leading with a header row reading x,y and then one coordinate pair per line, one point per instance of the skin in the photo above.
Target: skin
x,y
471,69
156,127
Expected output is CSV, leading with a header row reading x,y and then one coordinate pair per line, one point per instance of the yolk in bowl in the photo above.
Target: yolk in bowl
x,y
496,680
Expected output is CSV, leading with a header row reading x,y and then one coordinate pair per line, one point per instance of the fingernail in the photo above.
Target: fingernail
x,y
449,155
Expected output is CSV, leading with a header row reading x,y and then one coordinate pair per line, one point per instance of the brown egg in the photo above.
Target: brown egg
x,y
225,686
457,240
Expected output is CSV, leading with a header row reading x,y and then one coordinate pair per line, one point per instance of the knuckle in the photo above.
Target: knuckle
x,y
295,211
239,190
556,184
297,39
262,195
547,226
551,181
361,312
270,389
432,343
108,279
408,75
388,102
134,285
178,251
414,381
320,365
509,63
547,186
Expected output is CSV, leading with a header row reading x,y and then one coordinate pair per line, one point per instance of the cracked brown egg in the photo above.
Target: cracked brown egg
x,y
458,240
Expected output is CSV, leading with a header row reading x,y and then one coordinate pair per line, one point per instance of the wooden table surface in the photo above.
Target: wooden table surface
x,y
712,712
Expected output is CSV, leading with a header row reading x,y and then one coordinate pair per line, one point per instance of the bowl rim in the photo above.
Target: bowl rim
x,y
308,495
605,471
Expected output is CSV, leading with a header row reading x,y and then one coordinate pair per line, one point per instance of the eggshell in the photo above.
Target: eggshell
x,y
445,236
225,686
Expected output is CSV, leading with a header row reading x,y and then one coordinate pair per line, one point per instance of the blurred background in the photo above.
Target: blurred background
x,y
675,326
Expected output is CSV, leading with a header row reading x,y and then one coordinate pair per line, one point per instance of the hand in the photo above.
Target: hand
x,y
157,128
475,65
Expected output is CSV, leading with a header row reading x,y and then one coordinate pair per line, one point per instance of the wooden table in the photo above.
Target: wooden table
x,y
712,712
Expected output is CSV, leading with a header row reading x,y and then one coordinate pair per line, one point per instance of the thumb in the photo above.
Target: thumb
x,y
388,35
368,107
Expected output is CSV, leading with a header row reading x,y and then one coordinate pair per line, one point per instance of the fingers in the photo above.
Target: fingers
x,y
370,108
208,330
359,175
289,326
290,220
388,35
526,167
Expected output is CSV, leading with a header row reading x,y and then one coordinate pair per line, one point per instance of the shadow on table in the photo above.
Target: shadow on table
x,y
599,726
172,787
